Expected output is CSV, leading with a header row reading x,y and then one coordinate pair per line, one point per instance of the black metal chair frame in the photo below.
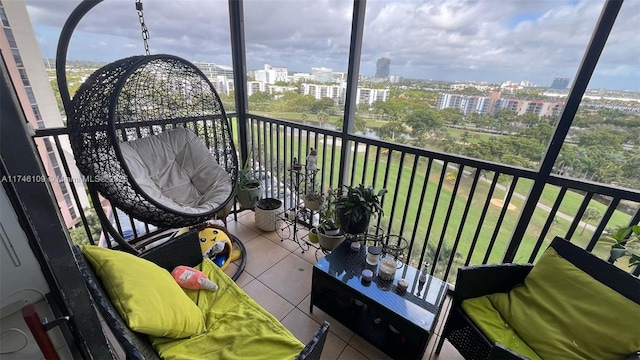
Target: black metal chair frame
x,y
480,280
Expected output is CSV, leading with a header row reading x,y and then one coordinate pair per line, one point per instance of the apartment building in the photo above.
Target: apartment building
x,y
21,53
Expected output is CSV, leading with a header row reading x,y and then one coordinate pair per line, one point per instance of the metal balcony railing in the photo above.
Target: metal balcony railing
x,y
452,210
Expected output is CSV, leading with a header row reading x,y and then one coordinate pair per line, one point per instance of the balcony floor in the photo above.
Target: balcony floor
x,y
278,277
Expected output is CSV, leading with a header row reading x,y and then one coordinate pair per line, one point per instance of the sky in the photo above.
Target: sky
x,y
450,40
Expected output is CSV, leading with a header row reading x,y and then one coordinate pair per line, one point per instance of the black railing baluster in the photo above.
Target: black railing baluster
x,y
503,212
547,224
409,192
423,195
463,220
384,185
578,217
365,165
447,217
72,186
353,175
395,196
431,219
603,222
485,209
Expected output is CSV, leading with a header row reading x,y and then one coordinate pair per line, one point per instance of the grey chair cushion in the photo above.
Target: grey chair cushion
x,y
176,169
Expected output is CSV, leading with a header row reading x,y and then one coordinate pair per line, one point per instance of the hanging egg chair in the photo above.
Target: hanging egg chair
x,y
151,135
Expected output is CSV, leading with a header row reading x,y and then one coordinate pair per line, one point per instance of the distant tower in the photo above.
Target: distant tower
x,y
560,83
382,68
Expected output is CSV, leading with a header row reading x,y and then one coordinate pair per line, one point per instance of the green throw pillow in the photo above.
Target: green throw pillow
x,y
145,295
493,326
564,313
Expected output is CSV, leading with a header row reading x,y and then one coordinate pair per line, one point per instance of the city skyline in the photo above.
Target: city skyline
x,y
464,41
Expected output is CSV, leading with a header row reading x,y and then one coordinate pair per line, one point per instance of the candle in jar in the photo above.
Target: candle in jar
x,y
403,284
387,269
373,254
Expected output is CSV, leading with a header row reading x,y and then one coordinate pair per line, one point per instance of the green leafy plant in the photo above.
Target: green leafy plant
x,y
359,202
246,176
624,241
249,188
328,219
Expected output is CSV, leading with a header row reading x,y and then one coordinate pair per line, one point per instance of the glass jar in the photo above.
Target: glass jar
x,y
373,255
387,269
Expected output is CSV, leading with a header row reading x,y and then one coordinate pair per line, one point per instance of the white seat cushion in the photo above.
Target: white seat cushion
x,y
176,169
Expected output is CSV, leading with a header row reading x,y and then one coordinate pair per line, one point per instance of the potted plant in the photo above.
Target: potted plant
x,y
249,188
328,230
313,235
356,206
624,241
328,223
313,201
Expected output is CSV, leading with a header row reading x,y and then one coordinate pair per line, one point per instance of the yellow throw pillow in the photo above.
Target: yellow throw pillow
x,y
145,295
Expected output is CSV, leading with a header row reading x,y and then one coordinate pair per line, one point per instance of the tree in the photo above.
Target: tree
x,y
359,125
323,104
423,121
602,136
590,214
79,234
391,130
451,116
323,117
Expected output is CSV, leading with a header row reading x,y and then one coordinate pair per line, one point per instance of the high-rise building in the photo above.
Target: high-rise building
x,y
26,68
322,74
560,83
382,68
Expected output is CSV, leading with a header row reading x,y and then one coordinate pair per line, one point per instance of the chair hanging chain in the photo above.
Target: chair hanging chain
x,y
143,26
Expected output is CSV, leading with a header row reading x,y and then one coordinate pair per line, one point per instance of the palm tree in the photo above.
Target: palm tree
x,y
589,215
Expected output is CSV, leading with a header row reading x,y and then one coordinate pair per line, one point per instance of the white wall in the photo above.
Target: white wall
x,y
21,279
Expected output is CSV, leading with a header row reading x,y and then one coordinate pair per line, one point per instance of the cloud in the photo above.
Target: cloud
x,y
440,39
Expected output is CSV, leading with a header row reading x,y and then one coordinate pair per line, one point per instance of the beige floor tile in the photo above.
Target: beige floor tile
x,y
350,353
262,254
320,316
268,299
244,278
364,347
277,238
300,325
243,232
248,219
290,278
333,347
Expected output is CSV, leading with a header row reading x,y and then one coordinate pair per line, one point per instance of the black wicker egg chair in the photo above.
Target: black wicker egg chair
x,y
151,136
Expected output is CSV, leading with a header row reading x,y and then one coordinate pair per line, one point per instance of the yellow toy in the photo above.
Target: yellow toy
x,y
210,235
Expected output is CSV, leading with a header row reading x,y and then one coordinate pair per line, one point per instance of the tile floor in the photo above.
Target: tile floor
x,y
278,276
